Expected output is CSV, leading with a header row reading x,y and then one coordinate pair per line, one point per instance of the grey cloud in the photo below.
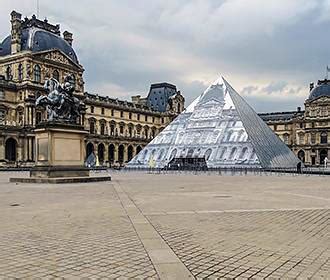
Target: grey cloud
x,y
126,45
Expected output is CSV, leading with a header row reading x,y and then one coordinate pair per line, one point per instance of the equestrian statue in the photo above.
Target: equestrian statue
x,y
60,103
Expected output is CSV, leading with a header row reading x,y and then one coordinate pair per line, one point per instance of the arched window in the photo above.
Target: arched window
x,y
102,128
223,152
8,74
37,74
92,127
208,154
56,75
129,152
243,153
324,137
20,72
111,153
173,154
89,149
232,154
121,150
100,152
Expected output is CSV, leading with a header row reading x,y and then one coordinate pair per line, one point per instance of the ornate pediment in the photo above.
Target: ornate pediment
x,y
57,56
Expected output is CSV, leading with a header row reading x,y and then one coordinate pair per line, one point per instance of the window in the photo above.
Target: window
x,y
102,127
92,109
324,137
162,120
38,117
8,74
112,130
56,75
313,138
37,74
102,111
146,118
130,115
301,137
301,125
138,117
112,112
153,119
313,125
121,114
20,72
130,131
121,129
275,127
92,127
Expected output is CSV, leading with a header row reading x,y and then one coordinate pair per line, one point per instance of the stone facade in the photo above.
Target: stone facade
x,y
306,132
36,51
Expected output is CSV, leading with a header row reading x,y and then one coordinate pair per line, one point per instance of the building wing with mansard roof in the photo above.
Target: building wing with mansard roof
x,y
36,50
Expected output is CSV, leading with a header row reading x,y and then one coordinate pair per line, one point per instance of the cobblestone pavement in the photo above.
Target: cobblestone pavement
x,y
167,226
277,244
70,231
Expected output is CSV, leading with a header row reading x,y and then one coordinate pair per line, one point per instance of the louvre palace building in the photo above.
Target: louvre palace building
x,y
35,51
118,129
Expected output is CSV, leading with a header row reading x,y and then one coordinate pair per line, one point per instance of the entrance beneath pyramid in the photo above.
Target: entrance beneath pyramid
x,y
187,163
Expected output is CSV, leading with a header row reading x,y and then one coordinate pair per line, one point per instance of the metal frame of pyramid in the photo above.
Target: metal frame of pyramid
x,y
222,128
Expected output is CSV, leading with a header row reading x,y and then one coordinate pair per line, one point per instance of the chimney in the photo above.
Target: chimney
x,y
16,32
311,86
68,37
136,99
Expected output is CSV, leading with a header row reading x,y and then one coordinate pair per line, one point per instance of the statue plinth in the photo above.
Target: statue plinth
x,y
60,155
60,150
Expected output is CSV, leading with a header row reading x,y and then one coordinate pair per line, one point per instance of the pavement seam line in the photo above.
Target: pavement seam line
x,y
167,273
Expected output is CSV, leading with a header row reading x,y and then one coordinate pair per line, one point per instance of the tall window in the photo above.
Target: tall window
x,y
92,109
313,138
121,129
38,117
324,137
121,114
92,127
8,74
301,137
130,115
112,130
102,128
56,75
102,111
37,73
112,112
20,72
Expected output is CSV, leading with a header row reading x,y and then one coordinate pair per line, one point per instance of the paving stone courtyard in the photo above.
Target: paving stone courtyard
x,y
168,226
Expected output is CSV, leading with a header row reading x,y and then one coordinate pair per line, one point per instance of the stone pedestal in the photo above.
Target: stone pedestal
x,y
60,151
60,155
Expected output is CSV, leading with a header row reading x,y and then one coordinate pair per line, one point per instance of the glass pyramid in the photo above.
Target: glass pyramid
x,y
220,127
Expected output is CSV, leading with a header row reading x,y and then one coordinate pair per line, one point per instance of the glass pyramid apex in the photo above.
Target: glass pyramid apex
x,y
220,128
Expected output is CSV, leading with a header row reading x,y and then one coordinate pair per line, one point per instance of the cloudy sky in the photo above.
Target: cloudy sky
x,y
269,50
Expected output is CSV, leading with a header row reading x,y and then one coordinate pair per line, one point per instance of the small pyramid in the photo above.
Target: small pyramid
x,y
221,128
